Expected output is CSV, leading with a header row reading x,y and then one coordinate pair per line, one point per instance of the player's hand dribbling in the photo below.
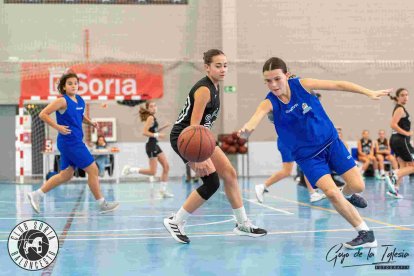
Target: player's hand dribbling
x,y
64,130
201,168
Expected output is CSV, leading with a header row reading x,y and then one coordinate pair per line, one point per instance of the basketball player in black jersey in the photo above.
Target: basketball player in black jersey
x,y
202,108
400,142
366,149
383,152
154,152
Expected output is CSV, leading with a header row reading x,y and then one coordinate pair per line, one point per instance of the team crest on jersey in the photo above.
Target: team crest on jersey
x,y
305,108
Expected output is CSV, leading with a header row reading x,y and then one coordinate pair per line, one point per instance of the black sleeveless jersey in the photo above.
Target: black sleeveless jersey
x,y
366,146
153,129
404,122
210,113
382,145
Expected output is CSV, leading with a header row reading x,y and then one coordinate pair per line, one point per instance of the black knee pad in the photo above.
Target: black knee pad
x,y
211,183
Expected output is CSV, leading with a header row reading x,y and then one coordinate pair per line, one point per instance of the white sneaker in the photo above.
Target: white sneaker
x,y
247,228
316,197
126,170
395,195
176,229
259,192
34,201
107,207
166,194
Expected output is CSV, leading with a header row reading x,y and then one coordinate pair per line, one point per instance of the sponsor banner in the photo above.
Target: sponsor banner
x,y
111,80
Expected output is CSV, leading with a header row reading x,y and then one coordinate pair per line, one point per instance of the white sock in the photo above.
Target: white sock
x,y
134,170
40,193
382,172
345,195
240,214
376,172
100,201
181,215
163,186
362,226
395,173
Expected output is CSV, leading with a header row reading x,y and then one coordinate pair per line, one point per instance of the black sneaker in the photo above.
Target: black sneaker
x,y
358,201
248,229
176,229
364,239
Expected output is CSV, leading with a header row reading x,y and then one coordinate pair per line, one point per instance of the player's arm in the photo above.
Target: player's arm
x,y
163,127
89,122
377,150
398,114
315,84
371,153
262,110
201,99
44,115
360,152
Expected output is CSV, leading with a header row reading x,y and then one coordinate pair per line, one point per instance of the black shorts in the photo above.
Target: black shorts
x,y
174,145
401,147
152,149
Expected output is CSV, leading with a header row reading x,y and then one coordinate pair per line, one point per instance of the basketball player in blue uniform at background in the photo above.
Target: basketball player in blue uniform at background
x,y
73,152
201,108
306,130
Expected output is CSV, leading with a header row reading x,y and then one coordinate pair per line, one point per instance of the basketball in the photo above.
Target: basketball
x,y
196,143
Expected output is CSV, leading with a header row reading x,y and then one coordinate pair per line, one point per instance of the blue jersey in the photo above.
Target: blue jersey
x,y
302,124
72,117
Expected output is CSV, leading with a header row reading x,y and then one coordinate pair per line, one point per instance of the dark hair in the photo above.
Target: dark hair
x,y
63,80
97,139
274,63
208,56
144,112
397,93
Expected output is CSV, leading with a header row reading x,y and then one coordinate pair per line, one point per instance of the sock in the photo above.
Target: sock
x,y
100,201
134,170
40,193
181,215
163,186
345,195
362,226
376,172
395,174
382,172
240,214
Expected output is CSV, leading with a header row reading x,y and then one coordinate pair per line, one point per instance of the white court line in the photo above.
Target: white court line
x,y
266,206
392,228
90,202
30,216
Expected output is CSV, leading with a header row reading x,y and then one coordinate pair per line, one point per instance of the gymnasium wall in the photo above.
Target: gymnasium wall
x,y
360,41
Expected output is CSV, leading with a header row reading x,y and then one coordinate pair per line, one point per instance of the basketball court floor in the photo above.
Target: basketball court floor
x,y
303,238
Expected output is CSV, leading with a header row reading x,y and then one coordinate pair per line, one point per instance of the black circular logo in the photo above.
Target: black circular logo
x,y
33,245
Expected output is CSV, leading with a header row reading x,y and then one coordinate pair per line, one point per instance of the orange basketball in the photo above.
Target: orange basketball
x,y
196,143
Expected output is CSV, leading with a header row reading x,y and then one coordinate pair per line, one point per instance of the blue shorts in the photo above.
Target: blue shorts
x,y
286,154
76,155
335,157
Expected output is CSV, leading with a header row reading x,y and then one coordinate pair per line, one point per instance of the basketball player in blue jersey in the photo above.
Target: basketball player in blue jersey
x,y
400,142
154,152
73,152
201,108
306,130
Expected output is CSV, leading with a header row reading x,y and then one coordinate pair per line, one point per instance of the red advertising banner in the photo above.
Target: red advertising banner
x,y
111,80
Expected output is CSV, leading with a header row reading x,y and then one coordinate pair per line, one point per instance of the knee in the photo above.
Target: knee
x,y
286,173
357,186
211,183
333,195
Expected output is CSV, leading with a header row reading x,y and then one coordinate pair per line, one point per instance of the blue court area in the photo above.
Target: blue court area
x,y
133,241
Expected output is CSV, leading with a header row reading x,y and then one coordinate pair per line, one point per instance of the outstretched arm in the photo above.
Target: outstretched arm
x,y
261,111
314,84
